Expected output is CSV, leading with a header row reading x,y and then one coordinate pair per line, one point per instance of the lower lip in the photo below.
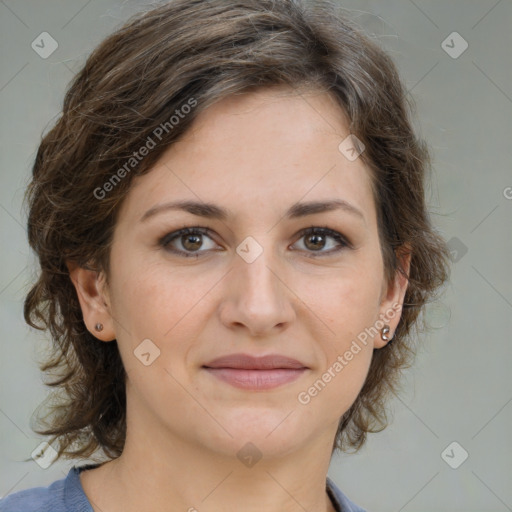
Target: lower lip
x,y
257,379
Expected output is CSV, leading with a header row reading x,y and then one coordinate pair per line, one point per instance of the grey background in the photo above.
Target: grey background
x,y
460,388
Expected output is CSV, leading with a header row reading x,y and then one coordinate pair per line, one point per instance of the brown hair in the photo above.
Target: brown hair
x,y
133,83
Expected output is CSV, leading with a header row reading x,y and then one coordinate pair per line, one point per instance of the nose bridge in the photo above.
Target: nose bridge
x,y
256,272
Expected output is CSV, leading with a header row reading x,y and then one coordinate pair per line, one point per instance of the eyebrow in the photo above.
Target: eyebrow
x,y
213,211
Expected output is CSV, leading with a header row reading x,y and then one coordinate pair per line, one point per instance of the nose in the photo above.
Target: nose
x,y
257,296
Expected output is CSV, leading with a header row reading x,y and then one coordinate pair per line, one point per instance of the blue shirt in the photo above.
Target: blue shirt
x,y
67,495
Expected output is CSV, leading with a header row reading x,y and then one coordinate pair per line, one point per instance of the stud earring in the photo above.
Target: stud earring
x,y
99,327
384,332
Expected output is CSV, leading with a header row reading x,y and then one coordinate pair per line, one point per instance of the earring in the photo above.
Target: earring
x,y
99,327
384,332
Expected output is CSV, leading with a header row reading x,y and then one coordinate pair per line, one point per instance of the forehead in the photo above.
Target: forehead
x,y
263,150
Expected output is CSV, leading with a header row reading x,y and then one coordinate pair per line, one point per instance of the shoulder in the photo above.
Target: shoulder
x,y
64,495
36,499
342,503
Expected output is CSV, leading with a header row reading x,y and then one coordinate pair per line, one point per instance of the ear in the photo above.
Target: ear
x,y
392,296
94,300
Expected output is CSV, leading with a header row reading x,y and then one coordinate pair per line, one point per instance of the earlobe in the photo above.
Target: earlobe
x,y
94,302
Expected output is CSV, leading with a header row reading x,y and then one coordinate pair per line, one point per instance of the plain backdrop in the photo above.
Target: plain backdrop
x,y
460,389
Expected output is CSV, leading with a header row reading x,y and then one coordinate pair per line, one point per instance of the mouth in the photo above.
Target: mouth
x,y
255,373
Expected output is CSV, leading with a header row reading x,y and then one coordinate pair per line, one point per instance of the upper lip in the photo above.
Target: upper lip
x,y
248,362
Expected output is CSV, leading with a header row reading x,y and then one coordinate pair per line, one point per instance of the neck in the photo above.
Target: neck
x,y
198,481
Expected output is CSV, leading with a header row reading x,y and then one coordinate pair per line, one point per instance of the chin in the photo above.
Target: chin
x,y
272,431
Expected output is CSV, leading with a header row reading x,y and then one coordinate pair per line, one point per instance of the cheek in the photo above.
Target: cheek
x,y
160,304
346,299
349,306
358,304
332,392
153,299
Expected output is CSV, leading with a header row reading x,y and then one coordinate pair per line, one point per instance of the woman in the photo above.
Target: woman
x,y
235,247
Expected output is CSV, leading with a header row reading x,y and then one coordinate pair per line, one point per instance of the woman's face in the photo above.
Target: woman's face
x,y
251,283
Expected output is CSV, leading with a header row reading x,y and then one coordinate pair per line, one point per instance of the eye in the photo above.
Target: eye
x,y
190,240
316,240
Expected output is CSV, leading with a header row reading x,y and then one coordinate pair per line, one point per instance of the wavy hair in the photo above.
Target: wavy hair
x,y
132,83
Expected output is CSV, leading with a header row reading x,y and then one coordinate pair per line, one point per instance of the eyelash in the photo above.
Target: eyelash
x,y
199,230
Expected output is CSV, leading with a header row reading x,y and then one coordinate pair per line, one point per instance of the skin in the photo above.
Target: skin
x,y
255,154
